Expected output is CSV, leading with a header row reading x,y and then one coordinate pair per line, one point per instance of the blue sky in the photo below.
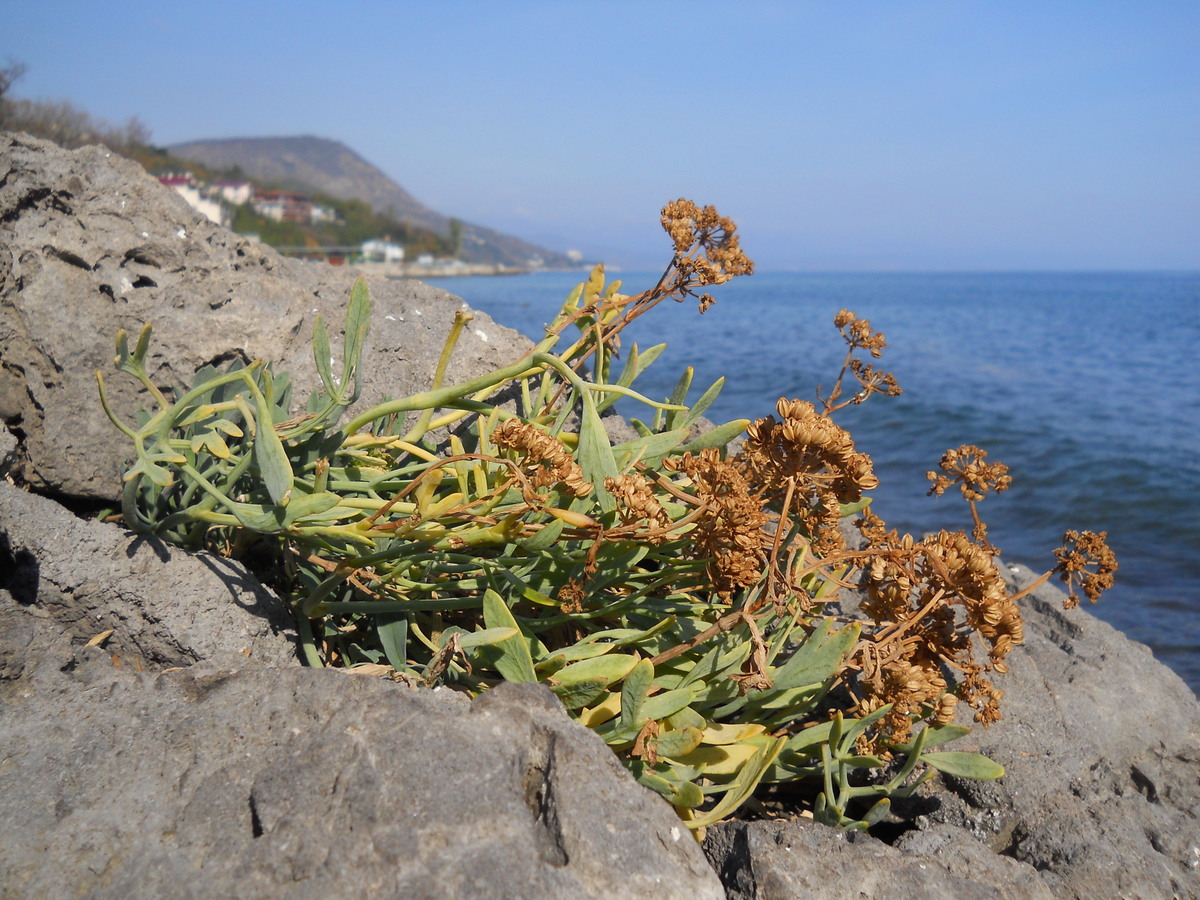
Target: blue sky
x,y
840,135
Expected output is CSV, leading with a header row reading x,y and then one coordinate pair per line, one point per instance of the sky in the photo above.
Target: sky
x,y
841,135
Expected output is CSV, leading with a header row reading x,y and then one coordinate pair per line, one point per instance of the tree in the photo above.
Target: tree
x,y
9,75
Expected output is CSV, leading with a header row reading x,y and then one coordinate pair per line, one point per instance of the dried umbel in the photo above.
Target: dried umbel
x,y
858,335
1081,552
728,534
812,459
707,250
638,506
546,462
913,591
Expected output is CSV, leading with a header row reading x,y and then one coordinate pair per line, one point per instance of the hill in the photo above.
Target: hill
x,y
322,166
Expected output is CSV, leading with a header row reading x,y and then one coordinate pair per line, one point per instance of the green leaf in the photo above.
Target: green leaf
x,y
935,736
701,406
393,637
595,453
817,658
677,398
487,637
358,320
511,656
272,459
849,509
303,505
323,356
718,437
678,743
964,765
582,682
546,537
649,449
878,812
748,777
634,691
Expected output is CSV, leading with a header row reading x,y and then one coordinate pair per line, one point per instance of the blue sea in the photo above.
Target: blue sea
x,y
1085,385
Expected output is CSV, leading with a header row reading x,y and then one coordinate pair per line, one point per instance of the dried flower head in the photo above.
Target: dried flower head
x,y
637,504
816,458
547,463
966,467
706,247
728,535
1079,551
857,333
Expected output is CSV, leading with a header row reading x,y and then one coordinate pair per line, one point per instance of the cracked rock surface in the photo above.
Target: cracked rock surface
x,y
229,779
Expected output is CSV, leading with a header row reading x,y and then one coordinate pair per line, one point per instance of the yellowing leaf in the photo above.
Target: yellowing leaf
x,y
601,712
723,760
718,734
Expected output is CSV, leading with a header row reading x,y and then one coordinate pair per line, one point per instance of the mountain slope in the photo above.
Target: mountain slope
x,y
322,166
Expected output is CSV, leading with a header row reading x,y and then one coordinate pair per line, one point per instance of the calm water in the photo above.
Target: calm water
x,y
1084,384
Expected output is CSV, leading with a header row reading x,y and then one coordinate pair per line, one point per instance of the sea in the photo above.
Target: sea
x,y
1085,384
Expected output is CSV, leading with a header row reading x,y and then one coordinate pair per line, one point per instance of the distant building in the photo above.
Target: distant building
x,y
382,251
184,184
282,206
321,214
238,193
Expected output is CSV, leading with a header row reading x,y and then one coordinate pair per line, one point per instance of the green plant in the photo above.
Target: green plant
x,y
670,595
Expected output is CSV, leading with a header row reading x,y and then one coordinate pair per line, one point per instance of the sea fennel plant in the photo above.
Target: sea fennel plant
x,y
669,593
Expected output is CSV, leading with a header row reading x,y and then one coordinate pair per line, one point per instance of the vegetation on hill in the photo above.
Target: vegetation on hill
x,y
356,223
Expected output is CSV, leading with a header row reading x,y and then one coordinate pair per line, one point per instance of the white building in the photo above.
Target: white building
x,y
383,251
185,185
236,192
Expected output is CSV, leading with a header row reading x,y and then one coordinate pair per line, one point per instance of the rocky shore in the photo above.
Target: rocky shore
x,y
160,738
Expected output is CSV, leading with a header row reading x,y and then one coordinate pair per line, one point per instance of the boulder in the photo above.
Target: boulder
x,y
231,779
89,243
779,860
163,606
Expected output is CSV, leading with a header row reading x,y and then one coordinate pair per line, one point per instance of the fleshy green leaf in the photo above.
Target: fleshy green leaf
x,y
634,691
393,637
272,459
582,682
964,765
511,656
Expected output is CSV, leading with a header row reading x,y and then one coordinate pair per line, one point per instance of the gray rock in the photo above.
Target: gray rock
x,y
227,779
164,606
90,243
9,452
780,860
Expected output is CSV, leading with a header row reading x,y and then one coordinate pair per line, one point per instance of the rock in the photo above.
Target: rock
x,y
230,779
164,606
779,860
89,243
9,452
